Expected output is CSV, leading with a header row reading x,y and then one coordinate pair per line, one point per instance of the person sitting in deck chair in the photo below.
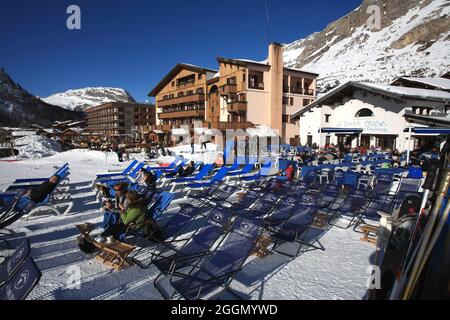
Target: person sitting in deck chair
x,y
184,171
146,184
289,172
133,215
110,216
37,194
121,190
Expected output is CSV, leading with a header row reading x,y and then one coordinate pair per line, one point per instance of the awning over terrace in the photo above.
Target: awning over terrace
x,y
341,130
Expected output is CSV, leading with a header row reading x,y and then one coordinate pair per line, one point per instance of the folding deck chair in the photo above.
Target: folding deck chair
x,y
297,227
124,173
60,172
18,274
384,181
205,171
351,206
217,270
198,245
379,203
218,177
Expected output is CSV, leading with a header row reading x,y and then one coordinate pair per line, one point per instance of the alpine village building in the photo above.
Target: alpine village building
x,y
367,114
240,95
120,119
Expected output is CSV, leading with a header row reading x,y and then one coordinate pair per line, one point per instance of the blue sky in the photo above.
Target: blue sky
x,y
133,44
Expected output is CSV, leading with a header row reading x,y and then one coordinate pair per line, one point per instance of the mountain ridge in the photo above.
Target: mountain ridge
x,y
414,40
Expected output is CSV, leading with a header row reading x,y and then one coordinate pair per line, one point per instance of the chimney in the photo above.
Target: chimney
x,y
275,86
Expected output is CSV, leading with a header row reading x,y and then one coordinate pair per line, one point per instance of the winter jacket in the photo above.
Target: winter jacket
x,y
134,214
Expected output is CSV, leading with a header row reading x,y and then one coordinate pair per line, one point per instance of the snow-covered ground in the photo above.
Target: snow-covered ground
x,y
36,147
339,272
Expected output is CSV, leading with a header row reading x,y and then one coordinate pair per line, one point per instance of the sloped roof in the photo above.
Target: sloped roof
x,y
440,83
386,90
174,72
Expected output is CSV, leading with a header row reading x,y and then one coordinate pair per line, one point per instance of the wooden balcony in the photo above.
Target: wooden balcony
x,y
198,97
237,106
228,89
228,125
182,114
302,91
256,85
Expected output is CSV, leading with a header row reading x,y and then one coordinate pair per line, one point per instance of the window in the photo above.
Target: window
x,y
327,118
291,101
199,91
285,118
200,76
173,83
363,113
244,77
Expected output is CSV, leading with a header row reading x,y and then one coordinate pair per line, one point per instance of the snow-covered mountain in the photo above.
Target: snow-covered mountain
x,y
80,99
20,108
414,40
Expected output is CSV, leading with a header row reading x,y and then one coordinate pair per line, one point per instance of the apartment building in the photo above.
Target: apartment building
x,y
116,119
241,94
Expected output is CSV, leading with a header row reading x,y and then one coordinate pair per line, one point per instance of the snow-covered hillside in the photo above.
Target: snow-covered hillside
x,y
80,99
414,40
20,108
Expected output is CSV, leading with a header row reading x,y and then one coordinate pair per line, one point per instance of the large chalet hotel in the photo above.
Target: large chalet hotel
x,y
241,94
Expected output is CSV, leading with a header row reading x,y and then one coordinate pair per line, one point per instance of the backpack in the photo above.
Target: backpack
x,y
86,246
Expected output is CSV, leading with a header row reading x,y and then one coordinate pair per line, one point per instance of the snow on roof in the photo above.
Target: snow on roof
x,y
262,131
301,70
180,131
441,83
264,62
388,90
410,92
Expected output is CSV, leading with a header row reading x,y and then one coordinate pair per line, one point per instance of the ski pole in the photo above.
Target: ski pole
x,y
429,249
443,189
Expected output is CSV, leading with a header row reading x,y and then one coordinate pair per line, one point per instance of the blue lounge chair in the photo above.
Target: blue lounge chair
x,y
217,270
205,171
307,204
328,197
384,182
296,227
172,165
124,173
60,172
14,261
19,286
116,179
218,177
350,207
379,203
18,274
197,246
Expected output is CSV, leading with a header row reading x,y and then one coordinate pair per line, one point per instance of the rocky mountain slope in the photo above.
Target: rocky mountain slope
x,y
20,108
412,39
81,99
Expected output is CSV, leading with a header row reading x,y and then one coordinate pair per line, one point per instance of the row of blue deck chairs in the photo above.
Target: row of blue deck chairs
x,y
206,244
59,198
204,175
19,274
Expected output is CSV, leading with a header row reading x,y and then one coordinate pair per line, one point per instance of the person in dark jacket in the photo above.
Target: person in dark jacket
x,y
37,194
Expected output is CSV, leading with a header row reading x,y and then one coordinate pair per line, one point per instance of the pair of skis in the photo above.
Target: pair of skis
x,y
418,255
